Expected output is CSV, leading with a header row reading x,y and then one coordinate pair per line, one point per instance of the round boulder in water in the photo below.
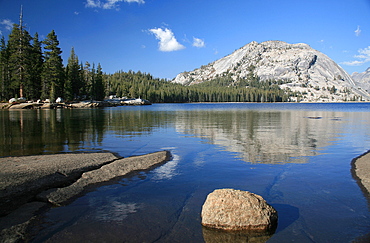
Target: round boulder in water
x,y
229,209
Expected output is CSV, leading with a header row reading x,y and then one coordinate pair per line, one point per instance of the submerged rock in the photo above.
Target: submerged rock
x,y
15,226
229,209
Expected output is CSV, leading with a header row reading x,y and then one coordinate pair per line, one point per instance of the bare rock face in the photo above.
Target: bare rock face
x,y
229,209
297,67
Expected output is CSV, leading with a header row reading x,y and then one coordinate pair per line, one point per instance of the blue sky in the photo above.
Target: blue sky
x,y
166,37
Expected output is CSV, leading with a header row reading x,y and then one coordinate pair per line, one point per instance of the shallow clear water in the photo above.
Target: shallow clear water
x,y
297,156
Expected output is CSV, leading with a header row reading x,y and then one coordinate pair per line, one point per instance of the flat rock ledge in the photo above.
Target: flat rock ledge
x,y
21,178
236,210
107,172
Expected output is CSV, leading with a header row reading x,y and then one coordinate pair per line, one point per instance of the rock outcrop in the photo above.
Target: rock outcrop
x,y
298,67
229,209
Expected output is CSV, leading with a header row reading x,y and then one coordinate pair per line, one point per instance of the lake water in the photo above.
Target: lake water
x,y
296,156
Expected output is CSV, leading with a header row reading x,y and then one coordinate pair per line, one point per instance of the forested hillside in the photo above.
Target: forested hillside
x,y
131,84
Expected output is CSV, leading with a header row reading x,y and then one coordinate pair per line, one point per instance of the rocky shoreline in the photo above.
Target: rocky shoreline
x,y
71,105
29,185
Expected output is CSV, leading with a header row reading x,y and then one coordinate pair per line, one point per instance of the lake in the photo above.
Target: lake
x,y
296,156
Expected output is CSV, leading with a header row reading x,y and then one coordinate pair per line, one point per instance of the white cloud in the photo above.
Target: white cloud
x,y
134,1
365,51
198,42
167,40
358,31
8,24
353,63
109,4
93,4
364,56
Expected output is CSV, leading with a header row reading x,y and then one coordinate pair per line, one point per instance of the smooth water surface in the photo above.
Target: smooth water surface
x,y
297,156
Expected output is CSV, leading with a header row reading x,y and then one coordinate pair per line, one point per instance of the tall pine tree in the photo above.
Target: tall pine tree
x,y
33,90
87,77
74,82
19,63
4,74
99,86
91,85
53,71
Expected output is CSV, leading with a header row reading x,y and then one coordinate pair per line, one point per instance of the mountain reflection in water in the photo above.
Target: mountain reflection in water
x,y
262,137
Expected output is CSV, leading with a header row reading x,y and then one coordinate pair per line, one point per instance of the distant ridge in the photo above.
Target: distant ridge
x,y
299,67
362,80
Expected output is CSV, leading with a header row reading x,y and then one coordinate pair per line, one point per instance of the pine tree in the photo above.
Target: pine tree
x,y
19,50
34,88
99,86
4,74
74,82
83,84
87,79
91,85
53,71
